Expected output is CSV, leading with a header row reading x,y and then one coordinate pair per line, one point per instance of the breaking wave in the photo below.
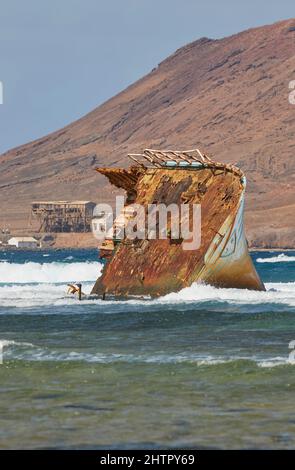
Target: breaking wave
x,y
277,296
48,272
14,350
32,284
277,292
4,343
282,258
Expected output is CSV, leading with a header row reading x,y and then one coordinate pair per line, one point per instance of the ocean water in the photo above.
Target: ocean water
x,y
202,368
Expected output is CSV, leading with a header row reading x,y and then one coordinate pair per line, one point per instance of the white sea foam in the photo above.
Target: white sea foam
x,y
46,284
6,342
29,352
33,295
48,272
278,293
26,296
274,362
282,258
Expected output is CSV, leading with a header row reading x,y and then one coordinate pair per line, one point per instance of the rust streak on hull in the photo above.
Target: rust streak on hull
x,y
156,267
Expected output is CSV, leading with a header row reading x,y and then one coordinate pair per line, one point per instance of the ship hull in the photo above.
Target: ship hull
x,y
227,262
156,267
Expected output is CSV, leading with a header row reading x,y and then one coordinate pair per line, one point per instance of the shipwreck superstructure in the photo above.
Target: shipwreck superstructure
x,y
155,267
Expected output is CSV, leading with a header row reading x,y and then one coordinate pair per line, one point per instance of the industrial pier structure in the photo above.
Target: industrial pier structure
x,y
62,216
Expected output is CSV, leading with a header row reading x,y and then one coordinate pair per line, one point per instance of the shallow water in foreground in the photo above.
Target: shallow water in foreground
x,y
203,368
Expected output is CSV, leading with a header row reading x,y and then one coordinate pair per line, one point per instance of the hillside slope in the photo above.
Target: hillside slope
x,y
229,97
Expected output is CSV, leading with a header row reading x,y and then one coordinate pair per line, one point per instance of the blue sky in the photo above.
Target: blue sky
x,y
60,59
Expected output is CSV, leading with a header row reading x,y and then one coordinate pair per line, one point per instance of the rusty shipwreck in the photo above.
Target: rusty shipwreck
x,y
155,267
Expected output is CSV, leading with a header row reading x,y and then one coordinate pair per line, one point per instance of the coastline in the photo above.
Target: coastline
x,y
255,249
80,241
94,247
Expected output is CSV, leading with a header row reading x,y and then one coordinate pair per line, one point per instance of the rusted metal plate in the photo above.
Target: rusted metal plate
x,y
157,267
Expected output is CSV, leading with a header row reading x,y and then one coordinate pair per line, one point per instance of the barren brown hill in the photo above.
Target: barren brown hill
x,y
229,97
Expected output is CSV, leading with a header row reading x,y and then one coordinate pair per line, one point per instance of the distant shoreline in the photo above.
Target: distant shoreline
x,y
271,249
75,248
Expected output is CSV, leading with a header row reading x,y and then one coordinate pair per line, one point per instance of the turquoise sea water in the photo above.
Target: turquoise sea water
x,y
203,368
